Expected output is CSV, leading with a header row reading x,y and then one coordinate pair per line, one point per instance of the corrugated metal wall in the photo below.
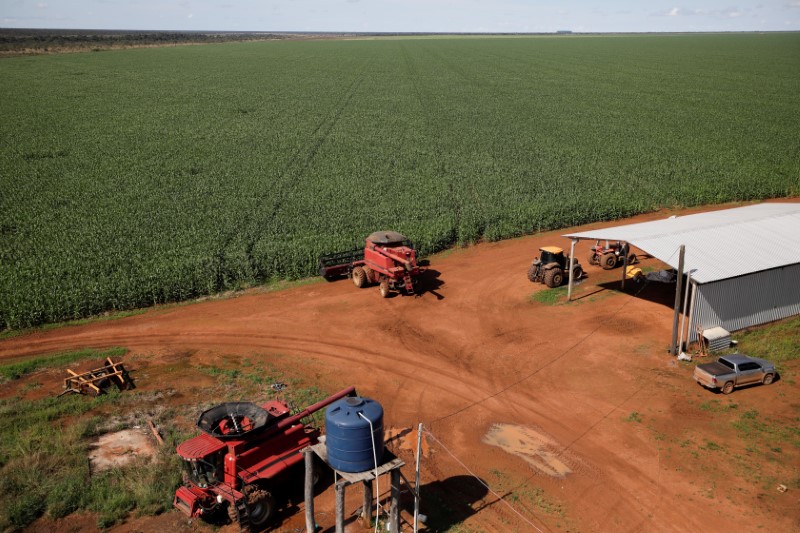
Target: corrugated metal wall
x,y
746,301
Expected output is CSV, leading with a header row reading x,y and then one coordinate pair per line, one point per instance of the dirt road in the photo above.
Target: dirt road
x,y
573,413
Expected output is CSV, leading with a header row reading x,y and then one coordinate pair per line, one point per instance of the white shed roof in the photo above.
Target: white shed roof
x,y
720,244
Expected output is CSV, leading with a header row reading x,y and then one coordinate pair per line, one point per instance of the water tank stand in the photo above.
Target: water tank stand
x,y
391,465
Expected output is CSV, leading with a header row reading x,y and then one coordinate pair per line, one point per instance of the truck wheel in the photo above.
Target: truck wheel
x,y
533,273
367,275
608,261
768,379
553,277
727,388
359,277
261,505
384,288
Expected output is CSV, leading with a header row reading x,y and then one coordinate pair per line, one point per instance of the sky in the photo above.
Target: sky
x,y
482,16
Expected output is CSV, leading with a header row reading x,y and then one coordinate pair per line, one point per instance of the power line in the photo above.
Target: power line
x,y
500,498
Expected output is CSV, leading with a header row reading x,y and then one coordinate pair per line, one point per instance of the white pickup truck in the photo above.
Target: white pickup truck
x,y
731,371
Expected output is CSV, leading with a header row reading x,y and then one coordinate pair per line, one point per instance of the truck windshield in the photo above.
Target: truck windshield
x,y
727,363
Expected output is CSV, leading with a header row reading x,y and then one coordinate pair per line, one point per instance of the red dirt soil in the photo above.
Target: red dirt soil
x,y
593,414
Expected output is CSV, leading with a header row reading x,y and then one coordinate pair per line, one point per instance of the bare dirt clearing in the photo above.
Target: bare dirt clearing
x,y
603,430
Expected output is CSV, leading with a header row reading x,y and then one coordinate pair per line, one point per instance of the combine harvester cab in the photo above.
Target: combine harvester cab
x,y
388,259
244,455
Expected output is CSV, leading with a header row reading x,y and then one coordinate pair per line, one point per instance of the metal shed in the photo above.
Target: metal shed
x,y
743,263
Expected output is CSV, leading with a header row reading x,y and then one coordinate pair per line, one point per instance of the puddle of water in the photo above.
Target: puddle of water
x,y
536,448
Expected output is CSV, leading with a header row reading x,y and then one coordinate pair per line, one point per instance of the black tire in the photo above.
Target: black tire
x,y
727,388
359,277
234,518
554,277
261,506
577,272
368,274
768,379
384,288
593,259
608,261
632,259
533,272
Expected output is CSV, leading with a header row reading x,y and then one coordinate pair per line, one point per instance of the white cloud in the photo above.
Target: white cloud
x,y
674,12
41,5
793,4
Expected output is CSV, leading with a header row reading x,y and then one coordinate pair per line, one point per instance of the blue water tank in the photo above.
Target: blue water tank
x,y
348,438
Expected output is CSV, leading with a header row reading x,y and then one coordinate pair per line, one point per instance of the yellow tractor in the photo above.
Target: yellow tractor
x,y
552,267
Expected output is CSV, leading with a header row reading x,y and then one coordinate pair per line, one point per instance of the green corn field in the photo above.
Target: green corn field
x,y
135,177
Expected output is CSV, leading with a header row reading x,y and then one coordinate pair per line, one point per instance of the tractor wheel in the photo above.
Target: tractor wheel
x,y
768,379
727,388
359,277
234,518
577,272
261,505
632,259
608,261
384,288
554,277
533,272
593,259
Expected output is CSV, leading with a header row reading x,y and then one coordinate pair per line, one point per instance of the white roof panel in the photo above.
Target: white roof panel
x,y
720,244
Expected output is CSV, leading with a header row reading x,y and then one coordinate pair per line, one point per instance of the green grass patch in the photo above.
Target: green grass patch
x,y
778,342
11,371
550,296
756,428
634,417
715,406
44,468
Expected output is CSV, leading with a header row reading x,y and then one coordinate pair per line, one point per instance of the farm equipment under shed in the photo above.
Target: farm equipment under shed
x,y
611,255
388,259
244,455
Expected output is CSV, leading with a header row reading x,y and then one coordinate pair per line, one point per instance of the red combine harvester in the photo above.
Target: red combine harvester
x,y
389,259
242,457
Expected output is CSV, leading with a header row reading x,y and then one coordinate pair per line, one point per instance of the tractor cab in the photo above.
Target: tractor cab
x,y
552,254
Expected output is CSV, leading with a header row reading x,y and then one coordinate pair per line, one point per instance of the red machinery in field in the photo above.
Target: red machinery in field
x,y
388,259
610,255
242,457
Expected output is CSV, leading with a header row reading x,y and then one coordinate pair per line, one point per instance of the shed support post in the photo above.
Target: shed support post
x,y
685,312
311,526
692,299
674,348
625,247
571,265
